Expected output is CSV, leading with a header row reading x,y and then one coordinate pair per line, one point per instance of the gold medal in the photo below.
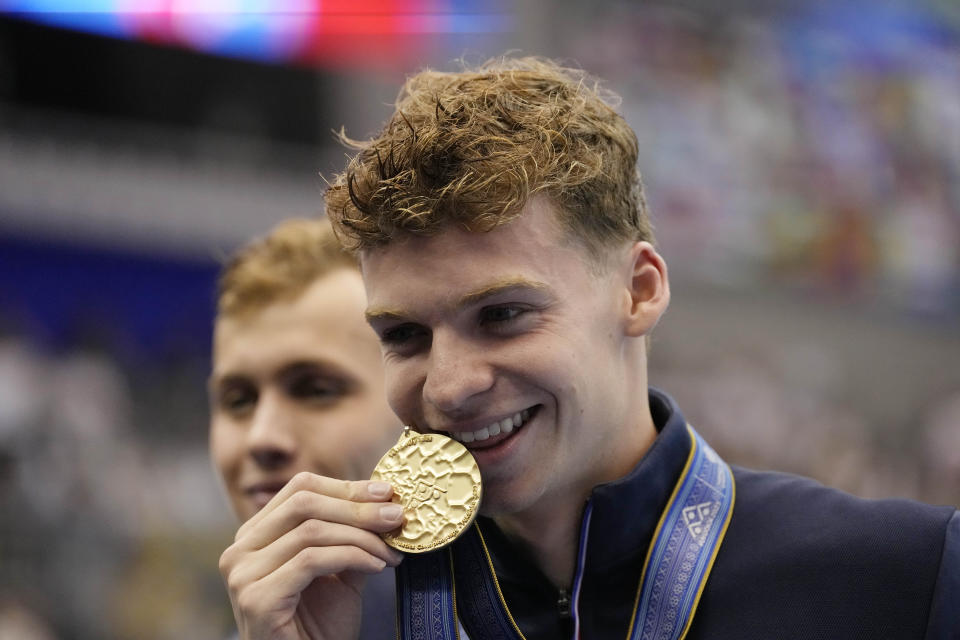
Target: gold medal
x,y
437,482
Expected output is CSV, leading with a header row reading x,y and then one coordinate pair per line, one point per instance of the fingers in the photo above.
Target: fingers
x,y
318,534
315,529
295,575
306,505
270,607
354,491
266,582
316,512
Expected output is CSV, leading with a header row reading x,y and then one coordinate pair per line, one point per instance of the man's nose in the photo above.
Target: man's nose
x,y
457,373
271,438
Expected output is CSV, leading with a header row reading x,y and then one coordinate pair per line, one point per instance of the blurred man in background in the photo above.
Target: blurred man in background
x,y
296,388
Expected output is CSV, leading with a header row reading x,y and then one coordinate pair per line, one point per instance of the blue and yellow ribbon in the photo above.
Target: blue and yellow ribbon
x,y
684,546
678,563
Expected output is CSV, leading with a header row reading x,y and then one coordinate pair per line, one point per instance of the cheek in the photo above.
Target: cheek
x,y
402,387
568,365
373,425
355,438
226,447
554,358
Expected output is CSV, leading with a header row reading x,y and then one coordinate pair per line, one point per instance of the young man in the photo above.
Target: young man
x,y
296,391
512,278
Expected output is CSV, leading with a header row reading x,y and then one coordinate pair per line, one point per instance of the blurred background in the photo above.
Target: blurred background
x,y
802,162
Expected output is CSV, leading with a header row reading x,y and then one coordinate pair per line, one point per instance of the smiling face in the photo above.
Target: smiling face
x,y
298,386
514,343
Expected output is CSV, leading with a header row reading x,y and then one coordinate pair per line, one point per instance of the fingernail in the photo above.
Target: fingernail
x,y
391,511
379,489
396,557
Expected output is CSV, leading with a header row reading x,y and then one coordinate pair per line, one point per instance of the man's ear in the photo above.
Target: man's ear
x,y
648,289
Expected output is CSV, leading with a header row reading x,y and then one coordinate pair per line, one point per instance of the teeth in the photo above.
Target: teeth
x,y
507,425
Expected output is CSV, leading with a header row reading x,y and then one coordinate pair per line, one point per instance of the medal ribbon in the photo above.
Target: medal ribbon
x,y
426,597
684,546
675,572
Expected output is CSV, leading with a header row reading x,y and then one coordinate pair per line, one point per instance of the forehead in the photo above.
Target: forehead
x,y
324,322
532,247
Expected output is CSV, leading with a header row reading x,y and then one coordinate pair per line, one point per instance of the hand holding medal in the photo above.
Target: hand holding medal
x,y
437,482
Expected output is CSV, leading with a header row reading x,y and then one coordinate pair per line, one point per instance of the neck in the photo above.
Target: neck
x,y
550,529
550,533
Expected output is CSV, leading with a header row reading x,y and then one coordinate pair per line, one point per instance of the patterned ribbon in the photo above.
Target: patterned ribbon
x,y
426,598
684,546
676,569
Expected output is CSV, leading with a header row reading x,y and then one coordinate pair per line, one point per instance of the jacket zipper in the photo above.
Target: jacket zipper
x,y
578,575
563,603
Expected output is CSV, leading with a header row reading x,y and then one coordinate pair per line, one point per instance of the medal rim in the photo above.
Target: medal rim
x,y
390,537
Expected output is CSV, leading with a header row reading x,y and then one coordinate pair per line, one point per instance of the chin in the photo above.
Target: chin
x,y
503,502
244,511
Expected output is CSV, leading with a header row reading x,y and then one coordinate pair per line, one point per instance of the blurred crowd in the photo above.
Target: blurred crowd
x,y
820,149
780,153
113,521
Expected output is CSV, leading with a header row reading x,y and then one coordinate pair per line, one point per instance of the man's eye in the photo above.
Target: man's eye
x,y
401,335
238,400
499,314
315,388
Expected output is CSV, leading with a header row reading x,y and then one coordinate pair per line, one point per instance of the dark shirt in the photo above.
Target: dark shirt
x,y
799,560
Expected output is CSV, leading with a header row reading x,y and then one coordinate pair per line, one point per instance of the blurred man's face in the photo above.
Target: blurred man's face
x,y
296,387
510,342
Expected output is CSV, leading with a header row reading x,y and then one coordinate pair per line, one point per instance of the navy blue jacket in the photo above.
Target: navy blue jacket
x,y
799,560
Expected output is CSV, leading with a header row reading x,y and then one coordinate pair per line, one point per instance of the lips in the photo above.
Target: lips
x,y
262,492
494,432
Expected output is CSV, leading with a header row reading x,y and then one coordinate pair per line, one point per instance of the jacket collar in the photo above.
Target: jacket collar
x,y
625,512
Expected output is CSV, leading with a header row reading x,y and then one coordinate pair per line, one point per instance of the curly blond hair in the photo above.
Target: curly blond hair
x,y
471,147
279,266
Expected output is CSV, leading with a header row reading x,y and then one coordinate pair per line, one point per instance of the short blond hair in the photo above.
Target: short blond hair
x,y
471,147
279,266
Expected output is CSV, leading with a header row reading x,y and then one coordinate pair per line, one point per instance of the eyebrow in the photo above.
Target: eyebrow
x,y
382,315
216,381
498,287
487,291
324,367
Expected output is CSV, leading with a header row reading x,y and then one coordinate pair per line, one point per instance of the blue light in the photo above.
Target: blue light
x,y
92,16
